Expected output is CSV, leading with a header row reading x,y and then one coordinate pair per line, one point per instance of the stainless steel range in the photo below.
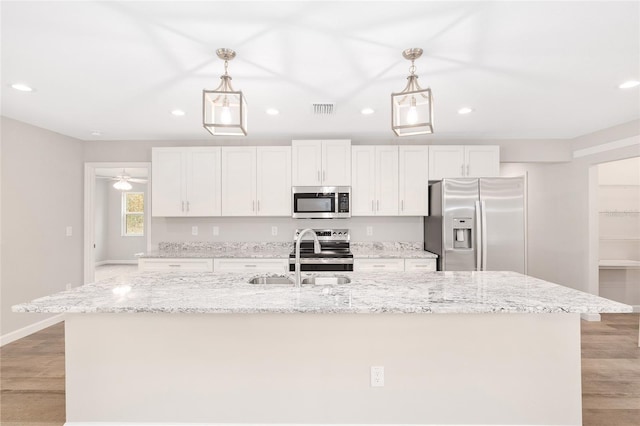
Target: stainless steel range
x,y
335,253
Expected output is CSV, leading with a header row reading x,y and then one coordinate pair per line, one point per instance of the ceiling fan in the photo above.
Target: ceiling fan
x,y
123,180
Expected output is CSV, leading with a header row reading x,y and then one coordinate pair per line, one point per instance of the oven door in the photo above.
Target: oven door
x,y
318,202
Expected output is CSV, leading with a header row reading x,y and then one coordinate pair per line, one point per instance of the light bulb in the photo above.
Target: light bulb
x,y
412,115
122,185
225,114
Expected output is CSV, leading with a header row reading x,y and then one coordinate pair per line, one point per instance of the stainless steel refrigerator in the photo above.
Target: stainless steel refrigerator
x,y
477,224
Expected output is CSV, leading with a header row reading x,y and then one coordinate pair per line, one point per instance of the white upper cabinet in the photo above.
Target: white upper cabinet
x,y
321,162
482,160
239,181
185,181
448,161
363,180
387,180
414,180
374,177
273,181
256,181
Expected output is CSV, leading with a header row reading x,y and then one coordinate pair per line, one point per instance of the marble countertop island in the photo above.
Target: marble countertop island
x,y
370,292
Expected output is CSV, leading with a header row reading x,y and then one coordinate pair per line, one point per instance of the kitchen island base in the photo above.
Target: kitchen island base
x,y
455,369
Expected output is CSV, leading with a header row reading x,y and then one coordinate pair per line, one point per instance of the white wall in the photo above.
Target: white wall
x,y
101,224
42,180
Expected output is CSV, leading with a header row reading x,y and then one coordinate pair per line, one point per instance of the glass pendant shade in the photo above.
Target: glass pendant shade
x,y
412,108
224,110
122,185
224,113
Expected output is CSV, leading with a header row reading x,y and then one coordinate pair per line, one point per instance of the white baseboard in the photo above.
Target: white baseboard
x,y
117,262
30,329
590,317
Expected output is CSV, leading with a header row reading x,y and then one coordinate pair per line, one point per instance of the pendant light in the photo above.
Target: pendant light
x,y
224,111
412,108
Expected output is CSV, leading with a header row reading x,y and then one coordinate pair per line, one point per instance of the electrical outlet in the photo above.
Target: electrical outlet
x,y
216,231
194,230
69,231
377,377
68,286
369,231
274,230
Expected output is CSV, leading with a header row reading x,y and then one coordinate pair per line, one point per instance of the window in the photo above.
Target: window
x,y
132,214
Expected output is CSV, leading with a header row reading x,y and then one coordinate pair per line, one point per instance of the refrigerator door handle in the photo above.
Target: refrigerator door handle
x,y
478,243
484,236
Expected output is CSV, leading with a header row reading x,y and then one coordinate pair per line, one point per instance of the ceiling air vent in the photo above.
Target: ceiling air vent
x,y
323,109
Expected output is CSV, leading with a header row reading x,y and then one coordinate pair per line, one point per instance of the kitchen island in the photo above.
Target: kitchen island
x,y
457,348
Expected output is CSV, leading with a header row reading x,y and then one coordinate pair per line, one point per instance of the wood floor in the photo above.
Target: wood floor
x,y
32,375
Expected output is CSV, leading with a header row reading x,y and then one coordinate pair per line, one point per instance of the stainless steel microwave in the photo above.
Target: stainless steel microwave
x,y
321,202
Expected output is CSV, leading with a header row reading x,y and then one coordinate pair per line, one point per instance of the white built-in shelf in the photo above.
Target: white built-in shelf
x,y
619,238
624,185
619,264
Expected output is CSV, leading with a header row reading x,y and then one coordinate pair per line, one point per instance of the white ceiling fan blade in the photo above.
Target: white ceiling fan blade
x,y
137,180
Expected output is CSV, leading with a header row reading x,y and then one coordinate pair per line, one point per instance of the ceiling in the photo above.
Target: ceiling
x,y
528,69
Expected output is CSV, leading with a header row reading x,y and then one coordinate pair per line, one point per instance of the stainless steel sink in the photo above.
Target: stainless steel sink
x,y
326,280
282,280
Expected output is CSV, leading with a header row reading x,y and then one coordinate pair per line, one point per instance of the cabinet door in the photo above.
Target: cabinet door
x,y
203,181
306,163
239,181
482,160
273,196
336,163
168,182
387,180
363,180
446,161
414,180
382,265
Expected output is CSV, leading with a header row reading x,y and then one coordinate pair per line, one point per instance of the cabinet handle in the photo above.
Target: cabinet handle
x,y
187,206
467,170
183,206
319,176
462,169
253,206
250,266
378,266
324,175
402,205
378,205
175,266
258,205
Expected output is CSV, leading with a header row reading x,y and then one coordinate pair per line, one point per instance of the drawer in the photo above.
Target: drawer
x,y
372,265
248,265
419,265
164,264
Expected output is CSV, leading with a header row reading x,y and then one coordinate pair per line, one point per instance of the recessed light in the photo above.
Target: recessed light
x,y
96,133
178,112
22,87
272,111
629,84
465,110
367,111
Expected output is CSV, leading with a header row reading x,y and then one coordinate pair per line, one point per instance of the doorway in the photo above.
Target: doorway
x,y
117,227
619,230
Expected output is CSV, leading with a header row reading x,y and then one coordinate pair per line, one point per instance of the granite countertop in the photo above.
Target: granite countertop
x,y
369,293
387,250
197,250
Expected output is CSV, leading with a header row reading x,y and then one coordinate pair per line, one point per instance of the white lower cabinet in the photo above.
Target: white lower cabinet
x,y
393,265
251,265
377,265
419,265
180,264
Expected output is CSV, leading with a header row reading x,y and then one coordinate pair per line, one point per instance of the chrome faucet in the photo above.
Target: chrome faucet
x,y
316,249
